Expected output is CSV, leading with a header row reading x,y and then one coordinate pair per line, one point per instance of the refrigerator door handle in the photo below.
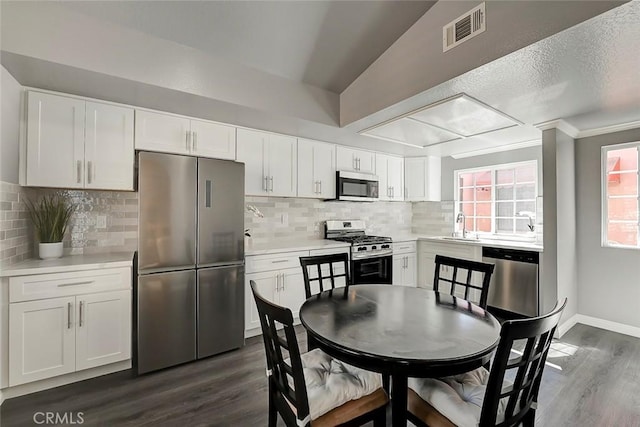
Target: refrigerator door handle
x,y
207,195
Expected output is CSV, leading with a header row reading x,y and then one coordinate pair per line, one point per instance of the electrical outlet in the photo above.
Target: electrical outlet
x,y
101,221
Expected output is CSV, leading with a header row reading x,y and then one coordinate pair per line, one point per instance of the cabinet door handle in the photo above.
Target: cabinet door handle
x,y
320,182
68,315
80,314
194,137
283,282
271,186
265,187
279,261
88,282
89,169
186,140
278,282
78,171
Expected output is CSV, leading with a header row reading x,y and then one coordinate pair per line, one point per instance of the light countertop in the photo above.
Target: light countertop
x,y
505,244
69,263
279,246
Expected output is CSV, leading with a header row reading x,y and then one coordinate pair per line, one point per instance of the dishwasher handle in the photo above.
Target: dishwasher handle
x,y
517,255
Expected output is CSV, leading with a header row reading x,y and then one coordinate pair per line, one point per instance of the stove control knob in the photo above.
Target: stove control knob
x,y
385,246
374,247
362,248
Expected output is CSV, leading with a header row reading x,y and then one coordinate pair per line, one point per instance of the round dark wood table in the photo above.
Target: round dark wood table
x,y
401,331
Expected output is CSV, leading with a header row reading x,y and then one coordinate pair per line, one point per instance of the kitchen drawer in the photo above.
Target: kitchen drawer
x,y
281,261
42,286
404,248
318,252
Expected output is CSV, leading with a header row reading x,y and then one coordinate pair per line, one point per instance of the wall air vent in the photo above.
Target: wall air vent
x,y
463,28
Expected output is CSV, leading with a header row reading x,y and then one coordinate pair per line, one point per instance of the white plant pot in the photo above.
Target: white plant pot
x,y
50,250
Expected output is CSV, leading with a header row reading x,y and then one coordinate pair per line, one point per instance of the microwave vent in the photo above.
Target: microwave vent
x,y
464,28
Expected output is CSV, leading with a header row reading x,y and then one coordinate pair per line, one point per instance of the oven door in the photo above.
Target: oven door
x,y
358,187
376,270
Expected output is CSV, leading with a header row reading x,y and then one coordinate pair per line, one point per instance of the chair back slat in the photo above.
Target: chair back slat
x,y
485,269
285,373
537,333
327,281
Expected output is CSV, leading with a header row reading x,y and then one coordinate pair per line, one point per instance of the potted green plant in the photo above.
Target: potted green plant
x,y
50,216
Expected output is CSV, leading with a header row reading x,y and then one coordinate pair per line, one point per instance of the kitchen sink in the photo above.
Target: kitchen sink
x,y
461,239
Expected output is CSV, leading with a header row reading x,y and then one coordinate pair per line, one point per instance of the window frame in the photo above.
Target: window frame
x,y
493,169
604,205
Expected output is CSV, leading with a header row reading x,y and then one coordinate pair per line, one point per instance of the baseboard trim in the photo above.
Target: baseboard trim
x,y
21,390
564,327
620,328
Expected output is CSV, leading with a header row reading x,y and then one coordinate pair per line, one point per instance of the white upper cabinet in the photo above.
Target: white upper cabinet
x,y
270,163
162,132
213,140
390,171
251,151
316,169
72,143
55,141
180,135
109,154
349,159
282,165
422,178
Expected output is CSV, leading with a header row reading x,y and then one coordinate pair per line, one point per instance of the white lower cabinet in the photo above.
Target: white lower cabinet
x,y
282,287
405,264
103,329
63,333
42,339
279,279
427,251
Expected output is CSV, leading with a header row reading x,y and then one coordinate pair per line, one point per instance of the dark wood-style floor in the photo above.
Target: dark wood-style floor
x,y
596,382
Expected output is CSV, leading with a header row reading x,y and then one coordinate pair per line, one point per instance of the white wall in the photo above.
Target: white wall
x,y
10,91
54,33
608,278
558,278
449,165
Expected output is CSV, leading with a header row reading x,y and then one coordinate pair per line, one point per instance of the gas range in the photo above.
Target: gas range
x,y
362,245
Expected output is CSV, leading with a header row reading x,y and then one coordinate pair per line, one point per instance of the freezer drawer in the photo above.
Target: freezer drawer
x,y
220,309
166,320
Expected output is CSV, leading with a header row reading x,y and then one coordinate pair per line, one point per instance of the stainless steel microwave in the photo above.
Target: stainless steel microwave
x,y
356,187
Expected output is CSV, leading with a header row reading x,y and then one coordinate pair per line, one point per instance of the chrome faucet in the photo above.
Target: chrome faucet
x,y
461,218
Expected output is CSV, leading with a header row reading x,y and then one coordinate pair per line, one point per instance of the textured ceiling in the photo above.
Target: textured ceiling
x,y
587,75
322,43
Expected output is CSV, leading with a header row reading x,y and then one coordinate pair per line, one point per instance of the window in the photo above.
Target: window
x,y
621,196
498,199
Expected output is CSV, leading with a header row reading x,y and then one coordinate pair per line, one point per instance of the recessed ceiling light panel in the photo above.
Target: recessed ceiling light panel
x,y
464,116
411,132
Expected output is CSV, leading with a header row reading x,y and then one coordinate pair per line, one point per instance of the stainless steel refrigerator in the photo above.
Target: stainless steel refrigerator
x,y
189,290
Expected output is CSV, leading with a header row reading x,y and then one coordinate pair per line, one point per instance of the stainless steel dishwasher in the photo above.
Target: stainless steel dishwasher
x,y
514,284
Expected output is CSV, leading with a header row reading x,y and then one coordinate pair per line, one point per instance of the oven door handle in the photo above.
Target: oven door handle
x,y
355,257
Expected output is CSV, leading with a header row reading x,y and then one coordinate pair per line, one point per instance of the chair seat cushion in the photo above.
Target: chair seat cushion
x,y
331,383
459,397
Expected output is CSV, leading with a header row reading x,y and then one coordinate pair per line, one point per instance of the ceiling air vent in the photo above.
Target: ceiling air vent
x,y
463,28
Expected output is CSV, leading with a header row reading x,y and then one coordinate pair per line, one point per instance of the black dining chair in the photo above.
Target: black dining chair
x,y
323,269
313,389
487,398
465,268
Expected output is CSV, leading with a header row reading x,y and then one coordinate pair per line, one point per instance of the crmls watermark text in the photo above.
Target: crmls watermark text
x,y
57,418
